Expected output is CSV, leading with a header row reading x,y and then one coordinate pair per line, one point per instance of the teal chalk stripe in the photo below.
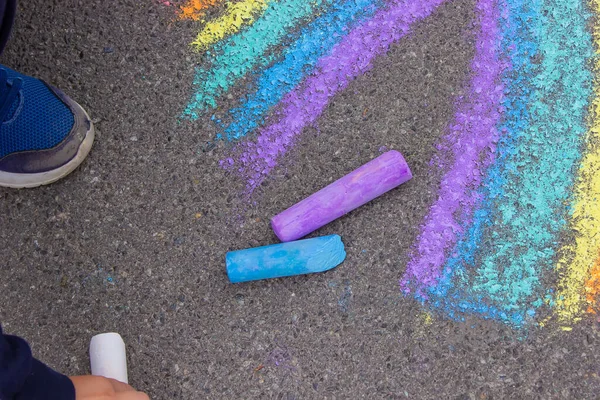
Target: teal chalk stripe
x,y
513,237
315,41
233,58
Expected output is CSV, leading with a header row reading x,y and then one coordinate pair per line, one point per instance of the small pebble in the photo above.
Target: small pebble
x,y
239,298
208,147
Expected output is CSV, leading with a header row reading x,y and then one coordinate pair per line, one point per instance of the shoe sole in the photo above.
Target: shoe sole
x,y
27,181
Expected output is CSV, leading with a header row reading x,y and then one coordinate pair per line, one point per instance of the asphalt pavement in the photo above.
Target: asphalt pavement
x,y
134,241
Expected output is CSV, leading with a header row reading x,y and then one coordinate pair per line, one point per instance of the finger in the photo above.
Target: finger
x,y
88,385
132,396
120,386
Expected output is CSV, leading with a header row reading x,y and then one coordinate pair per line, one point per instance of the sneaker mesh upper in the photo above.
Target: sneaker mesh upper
x,y
37,119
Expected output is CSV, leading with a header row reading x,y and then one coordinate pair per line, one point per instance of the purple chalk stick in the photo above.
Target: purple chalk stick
x,y
344,195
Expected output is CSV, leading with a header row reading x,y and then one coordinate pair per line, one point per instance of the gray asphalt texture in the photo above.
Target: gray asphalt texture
x,y
134,241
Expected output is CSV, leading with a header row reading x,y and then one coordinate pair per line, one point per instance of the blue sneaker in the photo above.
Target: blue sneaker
x,y
44,135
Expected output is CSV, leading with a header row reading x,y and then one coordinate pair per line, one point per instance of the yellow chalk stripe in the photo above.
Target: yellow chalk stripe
x,y
580,279
235,17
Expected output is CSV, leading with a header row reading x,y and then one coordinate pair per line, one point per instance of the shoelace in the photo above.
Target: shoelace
x,y
8,93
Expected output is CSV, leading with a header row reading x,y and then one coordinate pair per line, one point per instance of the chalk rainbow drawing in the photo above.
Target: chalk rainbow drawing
x,y
515,228
493,236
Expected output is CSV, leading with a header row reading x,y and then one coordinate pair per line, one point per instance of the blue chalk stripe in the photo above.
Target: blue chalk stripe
x,y
314,41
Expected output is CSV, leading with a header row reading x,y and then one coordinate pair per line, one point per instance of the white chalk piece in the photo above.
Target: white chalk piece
x,y
107,356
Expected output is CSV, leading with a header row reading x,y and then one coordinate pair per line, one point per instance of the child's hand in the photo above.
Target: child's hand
x,y
88,387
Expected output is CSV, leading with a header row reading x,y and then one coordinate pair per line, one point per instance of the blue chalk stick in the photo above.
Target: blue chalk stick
x,y
285,259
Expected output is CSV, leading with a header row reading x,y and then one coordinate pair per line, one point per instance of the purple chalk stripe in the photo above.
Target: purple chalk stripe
x,y
472,134
350,58
373,179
